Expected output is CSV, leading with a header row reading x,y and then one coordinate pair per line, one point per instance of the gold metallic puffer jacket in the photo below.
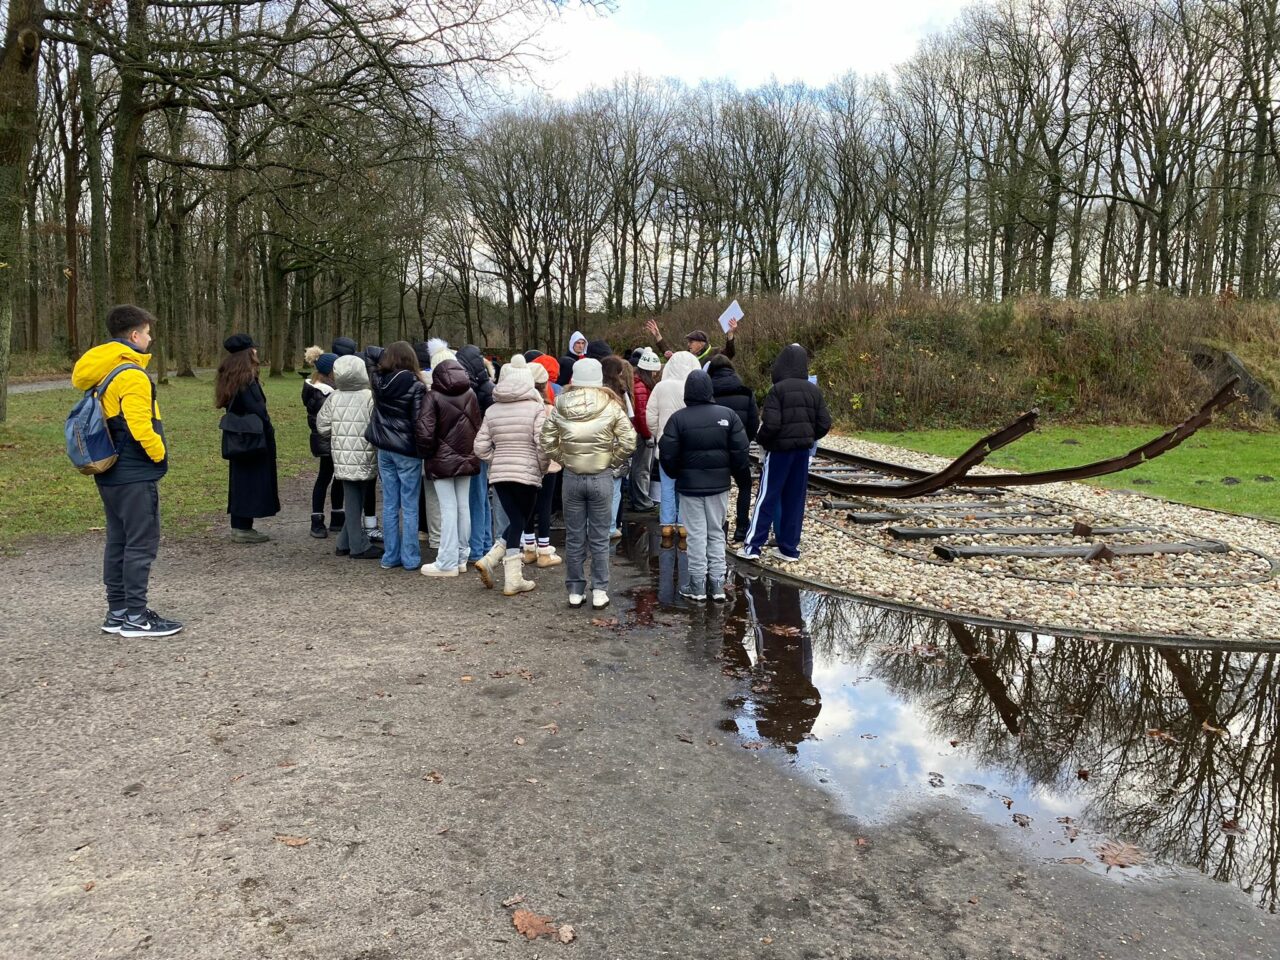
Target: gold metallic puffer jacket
x,y
588,431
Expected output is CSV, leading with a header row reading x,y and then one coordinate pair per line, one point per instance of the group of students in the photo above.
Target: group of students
x,y
498,447
583,430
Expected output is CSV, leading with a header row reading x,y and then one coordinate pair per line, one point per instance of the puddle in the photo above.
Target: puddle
x,y
1063,744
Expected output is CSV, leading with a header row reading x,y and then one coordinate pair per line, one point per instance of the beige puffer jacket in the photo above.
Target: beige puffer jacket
x,y
588,431
508,437
344,418
668,393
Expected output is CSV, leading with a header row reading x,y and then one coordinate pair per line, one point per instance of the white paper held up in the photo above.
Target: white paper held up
x,y
732,312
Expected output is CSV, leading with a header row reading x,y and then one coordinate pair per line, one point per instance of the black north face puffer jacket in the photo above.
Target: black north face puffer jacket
x,y
704,444
794,416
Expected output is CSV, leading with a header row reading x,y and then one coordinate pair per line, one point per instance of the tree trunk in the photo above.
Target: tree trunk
x,y
97,191
124,157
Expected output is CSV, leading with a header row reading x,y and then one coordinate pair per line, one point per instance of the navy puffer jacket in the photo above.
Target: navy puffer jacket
x,y
397,398
703,444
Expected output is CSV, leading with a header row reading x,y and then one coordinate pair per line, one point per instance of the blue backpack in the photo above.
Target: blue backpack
x,y
89,443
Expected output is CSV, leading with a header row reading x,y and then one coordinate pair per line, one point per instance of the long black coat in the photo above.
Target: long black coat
x,y
795,415
252,490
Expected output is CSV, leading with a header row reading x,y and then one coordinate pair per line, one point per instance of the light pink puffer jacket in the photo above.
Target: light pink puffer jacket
x,y
508,437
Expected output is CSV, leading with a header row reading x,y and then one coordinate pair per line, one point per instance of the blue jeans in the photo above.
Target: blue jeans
x,y
586,498
481,539
401,481
669,511
455,521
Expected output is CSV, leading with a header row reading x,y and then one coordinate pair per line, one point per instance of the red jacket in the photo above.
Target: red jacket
x,y
642,403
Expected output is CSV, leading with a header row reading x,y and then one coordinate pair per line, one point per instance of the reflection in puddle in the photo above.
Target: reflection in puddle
x,y
1065,743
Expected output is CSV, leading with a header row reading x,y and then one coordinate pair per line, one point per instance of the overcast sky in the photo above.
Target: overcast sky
x,y
746,41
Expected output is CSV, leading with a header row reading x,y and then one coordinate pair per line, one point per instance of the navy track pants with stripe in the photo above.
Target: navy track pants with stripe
x,y
780,502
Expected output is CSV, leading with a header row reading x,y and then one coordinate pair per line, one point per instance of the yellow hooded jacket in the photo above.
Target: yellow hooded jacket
x,y
131,410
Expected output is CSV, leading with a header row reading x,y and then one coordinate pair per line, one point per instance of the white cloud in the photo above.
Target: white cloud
x,y
813,41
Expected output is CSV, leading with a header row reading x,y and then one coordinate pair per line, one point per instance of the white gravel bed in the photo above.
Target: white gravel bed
x,y
984,588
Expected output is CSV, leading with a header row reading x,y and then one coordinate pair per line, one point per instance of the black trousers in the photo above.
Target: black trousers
x,y
517,500
743,518
133,538
539,520
325,481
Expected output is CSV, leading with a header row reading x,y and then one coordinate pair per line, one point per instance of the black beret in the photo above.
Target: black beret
x,y
237,342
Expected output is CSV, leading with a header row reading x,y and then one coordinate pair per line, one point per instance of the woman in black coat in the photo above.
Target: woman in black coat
x,y
731,392
252,489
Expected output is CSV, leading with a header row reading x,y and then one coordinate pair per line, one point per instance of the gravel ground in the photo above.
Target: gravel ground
x,y
338,763
1226,604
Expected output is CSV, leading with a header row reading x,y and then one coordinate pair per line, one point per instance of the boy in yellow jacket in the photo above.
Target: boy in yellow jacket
x,y
129,491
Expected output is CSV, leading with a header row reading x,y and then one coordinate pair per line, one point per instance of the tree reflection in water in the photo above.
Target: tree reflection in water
x,y
1140,722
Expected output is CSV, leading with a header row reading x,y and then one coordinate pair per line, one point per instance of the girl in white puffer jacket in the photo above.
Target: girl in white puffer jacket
x,y
668,397
344,418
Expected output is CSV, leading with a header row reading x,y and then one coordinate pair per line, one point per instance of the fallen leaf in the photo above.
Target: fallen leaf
x,y
1232,828
1155,734
1008,802
955,743
1082,774
1208,727
530,779
531,925
553,728
89,886
753,745
783,630
287,763
604,622
434,777
766,940
467,679
565,934
935,779
683,739
442,831
862,842
1076,860
518,741
289,841
974,900
512,901
1118,853
1022,820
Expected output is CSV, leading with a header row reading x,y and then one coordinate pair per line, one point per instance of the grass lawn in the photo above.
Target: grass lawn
x,y
41,493
1191,473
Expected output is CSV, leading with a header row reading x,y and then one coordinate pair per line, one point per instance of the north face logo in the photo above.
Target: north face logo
x,y
723,423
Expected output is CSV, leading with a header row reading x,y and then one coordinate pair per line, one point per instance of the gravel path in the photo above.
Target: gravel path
x,y
1239,610
342,763
42,386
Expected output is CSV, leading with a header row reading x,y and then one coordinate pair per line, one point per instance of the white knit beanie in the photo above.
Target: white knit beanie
x,y
517,368
587,372
649,360
438,350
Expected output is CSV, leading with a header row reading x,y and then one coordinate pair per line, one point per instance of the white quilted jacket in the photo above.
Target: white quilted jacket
x,y
344,417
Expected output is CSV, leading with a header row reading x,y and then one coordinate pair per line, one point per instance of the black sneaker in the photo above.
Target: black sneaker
x,y
150,625
113,623
373,553
317,526
341,552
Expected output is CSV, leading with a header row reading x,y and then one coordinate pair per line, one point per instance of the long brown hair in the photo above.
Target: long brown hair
x,y
236,372
617,377
399,356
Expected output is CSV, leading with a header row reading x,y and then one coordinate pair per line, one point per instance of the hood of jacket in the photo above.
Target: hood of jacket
x,y
725,382
550,364
97,362
583,403
472,361
792,364
697,388
574,338
513,389
450,377
393,386
680,366
351,373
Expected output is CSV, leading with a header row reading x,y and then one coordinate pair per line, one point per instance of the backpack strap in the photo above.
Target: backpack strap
x,y
100,390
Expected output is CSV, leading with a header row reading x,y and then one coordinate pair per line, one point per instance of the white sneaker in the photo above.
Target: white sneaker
x,y
576,600
746,553
779,555
599,599
431,570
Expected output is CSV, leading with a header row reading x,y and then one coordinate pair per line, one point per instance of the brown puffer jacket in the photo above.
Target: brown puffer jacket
x,y
508,437
445,431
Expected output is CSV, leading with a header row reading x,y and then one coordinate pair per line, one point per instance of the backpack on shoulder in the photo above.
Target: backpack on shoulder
x,y
89,444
